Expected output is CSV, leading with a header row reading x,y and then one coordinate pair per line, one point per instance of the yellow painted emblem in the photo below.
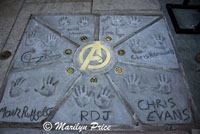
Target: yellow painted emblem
x,y
95,54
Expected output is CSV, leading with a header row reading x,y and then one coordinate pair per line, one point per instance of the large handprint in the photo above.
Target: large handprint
x,y
51,40
104,98
31,39
164,85
82,96
134,21
16,87
63,22
116,20
84,21
49,86
159,41
137,46
132,83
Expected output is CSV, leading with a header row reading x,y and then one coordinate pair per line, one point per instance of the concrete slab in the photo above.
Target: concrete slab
x,y
8,13
32,94
102,6
80,80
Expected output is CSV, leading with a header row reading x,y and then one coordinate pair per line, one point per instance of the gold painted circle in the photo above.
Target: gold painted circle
x,y
121,52
83,38
108,38
70,70
118,70
94,80
68,51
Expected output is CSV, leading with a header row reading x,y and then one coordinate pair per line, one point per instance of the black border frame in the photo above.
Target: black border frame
x,y
170,8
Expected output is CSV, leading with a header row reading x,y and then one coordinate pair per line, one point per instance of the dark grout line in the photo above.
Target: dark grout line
x,y
91,7
97,28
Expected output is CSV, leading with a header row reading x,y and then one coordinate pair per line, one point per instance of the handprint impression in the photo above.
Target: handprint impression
x,y
31,39
51,40
104,98
164,85
63,22
116,20
82,96
84,21
132,83
137,46
160,41
16,88
49,86
134,21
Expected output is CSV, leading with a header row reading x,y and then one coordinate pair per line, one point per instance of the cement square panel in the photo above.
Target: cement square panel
x,y
94,103
109,94
152,46
30,95
72,26
40,46
156,96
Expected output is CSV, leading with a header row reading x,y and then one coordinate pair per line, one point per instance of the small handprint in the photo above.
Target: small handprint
x,y
116,20
164,85
160,41
63,22
104,98
16,87
49,86
82,96
51,40
132,83
84,21
31,39
134,21
137,46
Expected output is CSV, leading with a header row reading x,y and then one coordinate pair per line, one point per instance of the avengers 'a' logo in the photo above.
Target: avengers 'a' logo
x,y
95,54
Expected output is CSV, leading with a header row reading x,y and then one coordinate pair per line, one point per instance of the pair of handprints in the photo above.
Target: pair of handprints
x,y
64,22
33,39
83,97
47,89
133,84
132,21
138,46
